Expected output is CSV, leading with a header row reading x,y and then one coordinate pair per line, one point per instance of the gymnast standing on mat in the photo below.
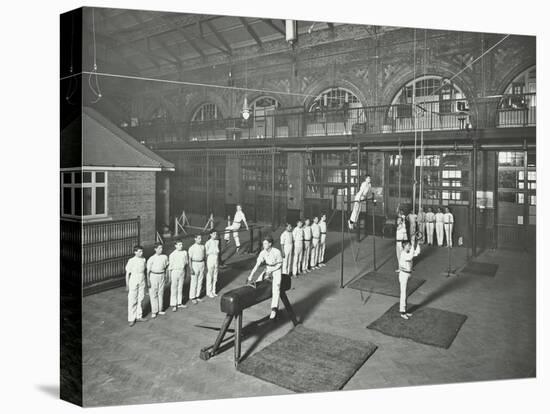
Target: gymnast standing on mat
x,y
405,271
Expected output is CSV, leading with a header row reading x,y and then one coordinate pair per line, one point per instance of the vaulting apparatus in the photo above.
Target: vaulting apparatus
x,y
234,302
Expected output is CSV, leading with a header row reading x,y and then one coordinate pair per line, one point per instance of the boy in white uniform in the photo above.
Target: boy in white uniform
x,y
135,286
287,241
157,267
315,238
360,196
400,237
439,219
197,255
307,246
412,225
178,261
430,224
238,220
271,256
405,271
448,222
212,249
298,237
422,224
322,240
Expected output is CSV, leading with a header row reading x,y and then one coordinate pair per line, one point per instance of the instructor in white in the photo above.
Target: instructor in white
x,y
273,260
360,196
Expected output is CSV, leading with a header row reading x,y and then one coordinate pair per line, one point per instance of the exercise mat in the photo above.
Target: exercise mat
x,y
305,360
429,326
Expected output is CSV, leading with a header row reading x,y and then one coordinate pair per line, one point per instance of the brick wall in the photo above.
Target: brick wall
x,y
132,194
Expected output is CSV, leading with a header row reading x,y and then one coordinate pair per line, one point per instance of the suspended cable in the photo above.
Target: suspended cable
x,y
414,113
473,61
71,90
93,75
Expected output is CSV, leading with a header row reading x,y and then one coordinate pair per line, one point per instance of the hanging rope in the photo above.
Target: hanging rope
x,y
93,75
71,90
399,158
414,113
420,195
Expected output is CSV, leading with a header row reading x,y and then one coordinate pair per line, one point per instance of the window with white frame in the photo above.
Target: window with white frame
x,y
84,194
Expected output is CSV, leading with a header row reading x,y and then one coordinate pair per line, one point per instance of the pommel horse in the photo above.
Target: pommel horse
x,y
234,302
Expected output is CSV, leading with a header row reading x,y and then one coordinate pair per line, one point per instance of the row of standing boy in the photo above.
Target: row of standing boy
x,y
426,223
304,246
159,269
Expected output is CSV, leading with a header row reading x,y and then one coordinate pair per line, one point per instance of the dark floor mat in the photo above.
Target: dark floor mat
x,y
481,268
305,360
384,283
428,326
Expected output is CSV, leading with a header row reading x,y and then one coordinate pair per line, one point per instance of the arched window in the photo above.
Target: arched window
x,y
438,104
429,89
335,98
207,112
518,105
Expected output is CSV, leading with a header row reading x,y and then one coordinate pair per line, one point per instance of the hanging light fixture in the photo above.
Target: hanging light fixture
x,y
246,111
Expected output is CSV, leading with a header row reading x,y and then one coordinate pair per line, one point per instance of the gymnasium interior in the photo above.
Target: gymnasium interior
x,y
182,117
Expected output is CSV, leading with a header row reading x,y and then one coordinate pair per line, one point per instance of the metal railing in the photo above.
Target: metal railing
x,y
99,250
496,112
517,111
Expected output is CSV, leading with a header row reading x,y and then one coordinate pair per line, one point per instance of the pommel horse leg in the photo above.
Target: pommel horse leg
x,y
288,307
238,337
207,353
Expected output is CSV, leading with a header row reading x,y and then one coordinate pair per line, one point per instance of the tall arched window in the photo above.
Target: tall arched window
x,y
438,104
518,105
206,112
335,98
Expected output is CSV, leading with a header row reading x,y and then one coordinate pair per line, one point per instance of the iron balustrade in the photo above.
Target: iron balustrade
x,y
493,112
97,252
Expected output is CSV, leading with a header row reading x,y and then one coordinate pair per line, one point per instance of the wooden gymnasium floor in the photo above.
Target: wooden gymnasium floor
x,y
158,361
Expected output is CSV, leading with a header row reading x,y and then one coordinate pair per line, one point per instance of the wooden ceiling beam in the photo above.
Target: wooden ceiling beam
x,y
220,38
272,24
251,31
192,38
138,19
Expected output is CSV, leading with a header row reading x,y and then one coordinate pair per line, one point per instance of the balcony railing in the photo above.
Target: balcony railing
x,y
517,111
508,111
